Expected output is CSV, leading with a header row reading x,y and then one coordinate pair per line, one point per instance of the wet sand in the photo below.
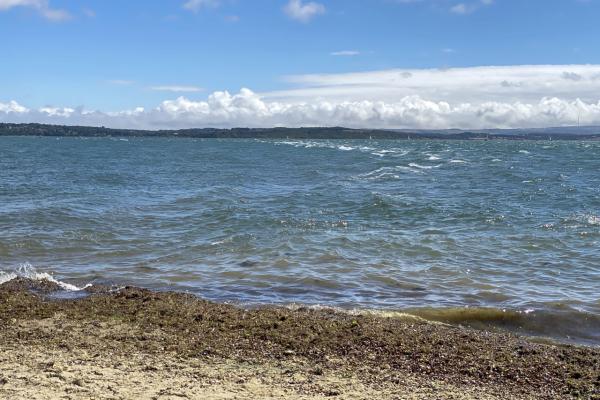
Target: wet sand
x,y
134,343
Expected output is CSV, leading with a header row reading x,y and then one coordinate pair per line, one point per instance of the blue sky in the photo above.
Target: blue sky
x,y
118,57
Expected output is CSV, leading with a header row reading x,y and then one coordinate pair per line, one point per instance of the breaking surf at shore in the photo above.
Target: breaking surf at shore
x,y
563,324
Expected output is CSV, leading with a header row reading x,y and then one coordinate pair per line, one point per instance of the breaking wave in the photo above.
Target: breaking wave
x,y
27,271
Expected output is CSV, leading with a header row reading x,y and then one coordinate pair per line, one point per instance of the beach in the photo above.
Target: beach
x,y
136,343
300,199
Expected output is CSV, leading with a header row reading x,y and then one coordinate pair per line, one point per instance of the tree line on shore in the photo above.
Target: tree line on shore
x,y
567,133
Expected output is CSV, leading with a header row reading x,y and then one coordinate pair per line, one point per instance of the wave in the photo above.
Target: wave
x,y
415,165
564,324
323,145
27,271
388,172
394,152
593,220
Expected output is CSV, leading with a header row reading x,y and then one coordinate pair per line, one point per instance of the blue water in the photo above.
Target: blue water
x,y
383,225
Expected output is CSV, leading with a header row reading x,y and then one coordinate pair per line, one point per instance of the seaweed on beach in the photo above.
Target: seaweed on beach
x,y
378,349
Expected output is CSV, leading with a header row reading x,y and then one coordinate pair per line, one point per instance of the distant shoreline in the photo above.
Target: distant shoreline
x,y
565,133
135,343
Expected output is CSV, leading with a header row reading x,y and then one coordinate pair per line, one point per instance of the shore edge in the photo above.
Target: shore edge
x,y
136,343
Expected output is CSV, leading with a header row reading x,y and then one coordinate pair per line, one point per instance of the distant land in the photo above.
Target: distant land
x,y
558,133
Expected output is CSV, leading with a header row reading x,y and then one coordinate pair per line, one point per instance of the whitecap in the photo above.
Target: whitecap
x,y
27,271
6,277
524,152
377,171
415,165
458,161
387,172
382,153
593,220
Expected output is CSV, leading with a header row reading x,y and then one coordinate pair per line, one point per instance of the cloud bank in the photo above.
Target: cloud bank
x,y
469,98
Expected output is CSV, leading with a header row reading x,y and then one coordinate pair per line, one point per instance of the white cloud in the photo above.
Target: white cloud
x,y
176,88
346,53
525,83
571,76
41,6
468,8
197,5
248,109
12,107
461,8
121,82
303,12
480,97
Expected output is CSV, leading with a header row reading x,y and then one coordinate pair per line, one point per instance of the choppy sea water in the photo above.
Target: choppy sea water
x,y
473,232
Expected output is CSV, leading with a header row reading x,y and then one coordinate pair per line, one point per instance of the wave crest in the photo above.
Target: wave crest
x,y
26,270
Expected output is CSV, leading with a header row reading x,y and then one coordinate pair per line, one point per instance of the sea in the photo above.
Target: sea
x,y
501,235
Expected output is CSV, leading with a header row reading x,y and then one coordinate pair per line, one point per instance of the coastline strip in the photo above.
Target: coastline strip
x,y
135,343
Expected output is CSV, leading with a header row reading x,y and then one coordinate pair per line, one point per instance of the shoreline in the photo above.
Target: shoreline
x,y
138,343
570,133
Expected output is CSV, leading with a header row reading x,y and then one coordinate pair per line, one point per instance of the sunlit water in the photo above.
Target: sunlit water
x,y
384,225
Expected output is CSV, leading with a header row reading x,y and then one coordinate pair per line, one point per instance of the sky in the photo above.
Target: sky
x,y
429,64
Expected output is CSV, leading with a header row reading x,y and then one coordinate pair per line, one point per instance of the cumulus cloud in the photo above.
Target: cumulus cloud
x,y
572,76
41,6
303,12
12,107
469,98
248,109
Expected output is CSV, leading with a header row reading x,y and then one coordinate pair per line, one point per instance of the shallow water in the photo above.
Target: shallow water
x,y
509,229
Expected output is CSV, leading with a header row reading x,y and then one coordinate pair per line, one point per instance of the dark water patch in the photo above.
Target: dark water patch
x,y
562,323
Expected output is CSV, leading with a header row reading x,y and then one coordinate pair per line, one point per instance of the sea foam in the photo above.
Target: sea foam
x,y
27,271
